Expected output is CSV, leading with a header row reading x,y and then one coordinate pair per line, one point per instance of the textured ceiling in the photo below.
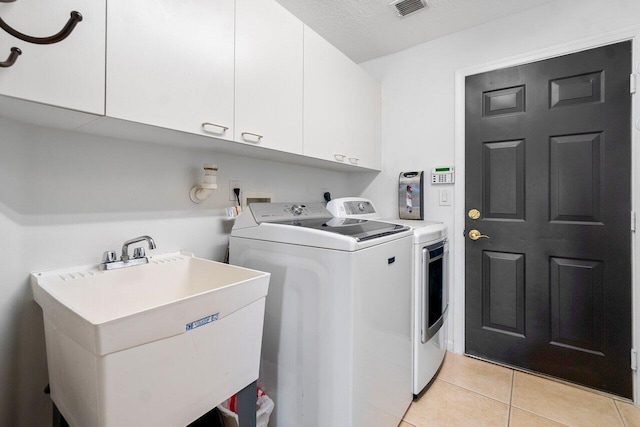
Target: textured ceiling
x,y
367,29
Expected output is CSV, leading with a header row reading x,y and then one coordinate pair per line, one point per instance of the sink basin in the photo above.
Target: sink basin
x,y
156,344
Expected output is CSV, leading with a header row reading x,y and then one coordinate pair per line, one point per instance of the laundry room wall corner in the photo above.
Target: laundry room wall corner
x,y
423,104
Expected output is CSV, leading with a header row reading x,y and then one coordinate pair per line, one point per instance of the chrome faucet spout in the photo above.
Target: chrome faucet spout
x,y
125,245
109,261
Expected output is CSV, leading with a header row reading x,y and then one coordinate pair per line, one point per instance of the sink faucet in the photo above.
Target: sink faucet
x,y
125,246
109,261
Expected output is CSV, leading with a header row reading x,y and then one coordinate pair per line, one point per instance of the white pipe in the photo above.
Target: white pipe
x,y
200,193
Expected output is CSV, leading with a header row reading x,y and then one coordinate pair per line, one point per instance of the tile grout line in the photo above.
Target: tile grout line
x,y
624,422
471,390
404,419
553,379
474,392
543,417
513,380
411,422
551,417
452,381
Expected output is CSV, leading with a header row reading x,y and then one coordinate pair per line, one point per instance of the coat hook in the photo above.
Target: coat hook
x,y
63,34
15,52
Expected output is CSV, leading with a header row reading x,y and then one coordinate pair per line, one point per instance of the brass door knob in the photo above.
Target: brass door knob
x,y
475,235
474,214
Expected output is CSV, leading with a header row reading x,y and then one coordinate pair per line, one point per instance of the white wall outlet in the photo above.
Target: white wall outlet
x,y
445,198
232,185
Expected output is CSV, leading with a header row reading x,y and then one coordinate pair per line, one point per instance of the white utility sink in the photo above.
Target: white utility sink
x,y
158,344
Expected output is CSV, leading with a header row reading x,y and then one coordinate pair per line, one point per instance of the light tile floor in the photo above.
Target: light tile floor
x,y
470,392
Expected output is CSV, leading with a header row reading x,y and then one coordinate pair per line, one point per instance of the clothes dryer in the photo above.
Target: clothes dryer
x,y
430,280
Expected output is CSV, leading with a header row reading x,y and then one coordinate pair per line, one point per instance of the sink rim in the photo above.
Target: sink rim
x,y
39,283
129,328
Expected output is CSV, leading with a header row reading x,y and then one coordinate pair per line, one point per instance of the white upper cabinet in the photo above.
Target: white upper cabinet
x,y
324,95
363,112
170,64
341,106
269,62
69,73
246,71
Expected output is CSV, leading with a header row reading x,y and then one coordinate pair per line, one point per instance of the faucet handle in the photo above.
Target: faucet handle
x,y
138,252
108,256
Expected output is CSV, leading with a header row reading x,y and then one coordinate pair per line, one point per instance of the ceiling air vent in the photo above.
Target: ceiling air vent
x,y
407,7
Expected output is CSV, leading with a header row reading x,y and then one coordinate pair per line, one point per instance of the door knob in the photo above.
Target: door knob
x,y
475,235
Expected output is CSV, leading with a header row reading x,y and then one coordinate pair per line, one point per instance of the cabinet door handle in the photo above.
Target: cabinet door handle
x,y
15,52
353,160
339,157
205,124
244,136
62,34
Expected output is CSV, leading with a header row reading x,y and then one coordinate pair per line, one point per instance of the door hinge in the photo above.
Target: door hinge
x,y
632,83
633,221
634,360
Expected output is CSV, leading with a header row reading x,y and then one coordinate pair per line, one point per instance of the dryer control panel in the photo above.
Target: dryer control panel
x,y
272,212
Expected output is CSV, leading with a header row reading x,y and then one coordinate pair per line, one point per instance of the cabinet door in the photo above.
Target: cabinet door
x,y
341,106
268,76
324,99
67,74
170,64
363,118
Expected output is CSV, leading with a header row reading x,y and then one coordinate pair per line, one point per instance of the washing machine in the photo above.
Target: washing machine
x,y
336,347
430,286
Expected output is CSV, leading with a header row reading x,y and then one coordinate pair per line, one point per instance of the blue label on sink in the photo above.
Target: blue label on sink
x,y
202,322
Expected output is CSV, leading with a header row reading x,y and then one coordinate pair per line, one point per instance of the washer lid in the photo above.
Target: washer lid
x,y
359,229
311,224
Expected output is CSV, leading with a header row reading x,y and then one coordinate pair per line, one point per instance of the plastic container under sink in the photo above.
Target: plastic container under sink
x,y
158,344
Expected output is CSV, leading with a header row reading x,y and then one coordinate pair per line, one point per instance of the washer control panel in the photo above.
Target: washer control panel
x,y
358,207
272,212
353,207
297,209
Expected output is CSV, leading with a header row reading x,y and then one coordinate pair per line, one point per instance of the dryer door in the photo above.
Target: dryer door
x,y
433,301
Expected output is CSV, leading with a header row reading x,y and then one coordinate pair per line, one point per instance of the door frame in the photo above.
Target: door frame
x,y
457,267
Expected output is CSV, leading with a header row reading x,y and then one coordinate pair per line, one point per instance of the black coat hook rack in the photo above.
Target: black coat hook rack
x,y
15,52
61,35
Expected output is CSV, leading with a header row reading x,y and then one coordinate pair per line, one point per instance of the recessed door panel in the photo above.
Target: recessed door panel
x,y
577,90
503,183
503,101
577,304
576,178
503,292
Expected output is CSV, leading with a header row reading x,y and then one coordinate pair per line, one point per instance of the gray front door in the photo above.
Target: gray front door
x,y
548,168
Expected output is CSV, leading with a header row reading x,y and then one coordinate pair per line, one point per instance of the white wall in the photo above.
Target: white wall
x,y
418,99
65,197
